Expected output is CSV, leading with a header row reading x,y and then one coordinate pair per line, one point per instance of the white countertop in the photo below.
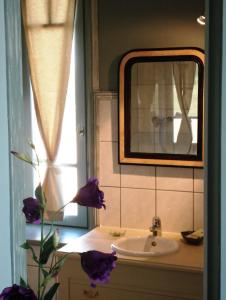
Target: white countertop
x,y
188,257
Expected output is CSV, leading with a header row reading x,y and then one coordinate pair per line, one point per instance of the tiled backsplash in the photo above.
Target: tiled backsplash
x,y
134,194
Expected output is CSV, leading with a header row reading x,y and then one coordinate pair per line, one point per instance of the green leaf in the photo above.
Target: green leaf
x,y
45,273
46,280
23,157
56,268
50,294
48,234
58,265
23,283
39,194
25,246
49,247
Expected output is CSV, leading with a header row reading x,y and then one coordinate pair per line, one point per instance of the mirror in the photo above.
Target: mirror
x,y
161,107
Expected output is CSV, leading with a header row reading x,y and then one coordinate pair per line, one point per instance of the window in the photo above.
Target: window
x,y
70,163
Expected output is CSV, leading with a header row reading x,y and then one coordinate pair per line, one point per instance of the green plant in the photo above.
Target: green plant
x,y
96,264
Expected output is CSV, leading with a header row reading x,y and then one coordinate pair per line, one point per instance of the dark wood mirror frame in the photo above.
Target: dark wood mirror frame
x,y
126,155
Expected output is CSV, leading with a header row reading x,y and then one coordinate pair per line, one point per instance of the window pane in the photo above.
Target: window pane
x,y
67,152
64,167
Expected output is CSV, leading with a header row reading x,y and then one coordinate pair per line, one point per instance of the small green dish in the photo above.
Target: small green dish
x,y
191,240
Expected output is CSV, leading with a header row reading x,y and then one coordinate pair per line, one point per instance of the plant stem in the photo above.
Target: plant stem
x,y
57,212
41,245
51,265
43,291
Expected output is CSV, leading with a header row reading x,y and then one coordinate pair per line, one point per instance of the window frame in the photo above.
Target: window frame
x,y
81,220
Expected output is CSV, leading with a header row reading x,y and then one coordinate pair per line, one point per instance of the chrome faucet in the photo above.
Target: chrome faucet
x,y
156,227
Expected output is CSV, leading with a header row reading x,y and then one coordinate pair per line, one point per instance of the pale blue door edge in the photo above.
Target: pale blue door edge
x,y
5,234
17,138
12,185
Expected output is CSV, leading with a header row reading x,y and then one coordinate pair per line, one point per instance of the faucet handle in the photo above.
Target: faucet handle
x,y
156,222
156,227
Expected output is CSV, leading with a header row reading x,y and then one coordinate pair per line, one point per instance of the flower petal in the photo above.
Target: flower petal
x,y
90,195
98,266
31,209
17,292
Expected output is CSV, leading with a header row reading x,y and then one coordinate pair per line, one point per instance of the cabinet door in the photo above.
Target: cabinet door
x,y
81,292
32,270
130,282
32,275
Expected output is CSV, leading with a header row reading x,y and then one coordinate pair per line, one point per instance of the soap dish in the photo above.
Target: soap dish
x,y
190,240
117,233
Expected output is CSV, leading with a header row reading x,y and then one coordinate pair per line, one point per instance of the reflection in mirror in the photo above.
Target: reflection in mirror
x,y
160,126
161,107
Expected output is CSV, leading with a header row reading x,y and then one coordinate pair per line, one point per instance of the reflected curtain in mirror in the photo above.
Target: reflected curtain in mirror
x,y
184,77
48,26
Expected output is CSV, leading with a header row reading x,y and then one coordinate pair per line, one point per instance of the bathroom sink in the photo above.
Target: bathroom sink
x,y
144,246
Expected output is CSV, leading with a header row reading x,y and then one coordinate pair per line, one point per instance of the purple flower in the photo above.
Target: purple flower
x,y
31,210
17,292
98,265
90,195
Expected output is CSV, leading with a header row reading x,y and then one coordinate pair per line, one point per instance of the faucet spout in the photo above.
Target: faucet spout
x,y
156,227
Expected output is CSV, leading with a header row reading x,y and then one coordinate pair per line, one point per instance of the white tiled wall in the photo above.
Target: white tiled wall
x,y
133,193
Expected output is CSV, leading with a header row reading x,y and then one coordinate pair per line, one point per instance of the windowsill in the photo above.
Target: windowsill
x,y
67,234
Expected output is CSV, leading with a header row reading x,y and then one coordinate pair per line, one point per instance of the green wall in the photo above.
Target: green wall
x,y
131,24
223,159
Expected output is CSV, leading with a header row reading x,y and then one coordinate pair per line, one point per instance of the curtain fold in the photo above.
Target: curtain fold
x,y
184,76
145,95
164,109
48,26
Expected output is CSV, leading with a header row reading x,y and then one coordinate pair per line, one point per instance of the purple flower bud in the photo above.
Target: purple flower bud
x,y
17,292
98,265
90,195
31,210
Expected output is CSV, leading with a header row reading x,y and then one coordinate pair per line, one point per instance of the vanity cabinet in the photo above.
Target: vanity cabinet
x,y
175,276
131,280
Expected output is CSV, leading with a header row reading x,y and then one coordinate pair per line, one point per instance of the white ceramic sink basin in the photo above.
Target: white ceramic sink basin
x,y
144,246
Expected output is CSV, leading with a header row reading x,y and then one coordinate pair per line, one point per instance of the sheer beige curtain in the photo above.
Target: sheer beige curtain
x,y
48,26
164,109
184,76
142,98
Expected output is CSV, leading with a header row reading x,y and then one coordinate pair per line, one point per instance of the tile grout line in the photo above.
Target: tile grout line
x,y
114,141
146,189
155,191
120,196
193,198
